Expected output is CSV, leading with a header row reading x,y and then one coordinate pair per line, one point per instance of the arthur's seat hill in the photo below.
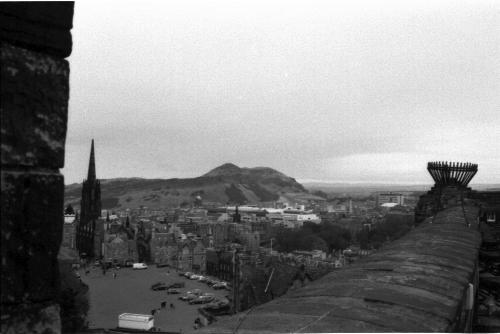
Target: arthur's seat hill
x,y
227,183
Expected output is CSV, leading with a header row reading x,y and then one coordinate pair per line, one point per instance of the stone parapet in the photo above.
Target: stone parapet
x,y
35,39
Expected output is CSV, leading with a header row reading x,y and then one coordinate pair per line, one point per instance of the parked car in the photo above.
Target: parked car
x,y
188,297
194,277
217,303
220,285
188,274
203,279
212,281
177,285
196,292
217,308
173,291
203,299
159,286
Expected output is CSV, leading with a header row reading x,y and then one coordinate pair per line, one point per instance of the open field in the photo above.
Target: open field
x,y
130,293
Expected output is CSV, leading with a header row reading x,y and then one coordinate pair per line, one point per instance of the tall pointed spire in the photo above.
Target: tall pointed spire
x,y
91,175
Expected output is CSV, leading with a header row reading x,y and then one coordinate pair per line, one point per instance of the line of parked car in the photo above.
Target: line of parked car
x,y
212,282
171,288
196,296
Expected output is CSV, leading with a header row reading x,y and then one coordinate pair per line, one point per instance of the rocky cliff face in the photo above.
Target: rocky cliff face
x,y
227,183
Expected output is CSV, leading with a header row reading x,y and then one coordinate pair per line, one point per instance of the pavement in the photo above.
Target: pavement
x,y
130,292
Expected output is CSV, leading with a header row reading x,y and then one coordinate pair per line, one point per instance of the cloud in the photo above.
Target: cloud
x,y
315,90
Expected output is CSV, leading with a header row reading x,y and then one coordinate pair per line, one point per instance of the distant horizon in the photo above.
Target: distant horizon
x,y
305,180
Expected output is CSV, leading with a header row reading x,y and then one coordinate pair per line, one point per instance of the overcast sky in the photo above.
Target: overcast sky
x,y
332,91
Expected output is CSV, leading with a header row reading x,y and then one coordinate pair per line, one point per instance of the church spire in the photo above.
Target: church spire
x,y
91,175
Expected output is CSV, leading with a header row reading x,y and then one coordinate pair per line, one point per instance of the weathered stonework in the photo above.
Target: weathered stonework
x,y
31,234
35,92
35,319
34,87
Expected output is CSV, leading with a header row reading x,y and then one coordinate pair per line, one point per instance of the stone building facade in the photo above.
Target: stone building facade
x,y
164,249
119,245
69,231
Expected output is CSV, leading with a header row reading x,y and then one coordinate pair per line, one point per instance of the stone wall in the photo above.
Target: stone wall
x,y
35,39
419,283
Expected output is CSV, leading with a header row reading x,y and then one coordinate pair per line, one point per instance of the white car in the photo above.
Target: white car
x,y
194,277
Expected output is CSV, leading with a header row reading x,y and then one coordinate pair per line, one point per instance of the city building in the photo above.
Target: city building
x,y
118,244
69,231
164,249
390,197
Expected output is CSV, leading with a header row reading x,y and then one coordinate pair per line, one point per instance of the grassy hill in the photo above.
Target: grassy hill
x,y
225,184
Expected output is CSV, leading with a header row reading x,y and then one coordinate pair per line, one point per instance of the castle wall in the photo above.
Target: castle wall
x,y
35,40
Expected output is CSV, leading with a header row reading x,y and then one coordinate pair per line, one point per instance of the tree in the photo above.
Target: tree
x,y
69,210
335,236
312,242
320,193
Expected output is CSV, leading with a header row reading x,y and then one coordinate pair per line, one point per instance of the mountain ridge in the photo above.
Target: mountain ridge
x,y
226,183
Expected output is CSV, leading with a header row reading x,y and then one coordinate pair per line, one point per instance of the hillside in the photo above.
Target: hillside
x,y
225,184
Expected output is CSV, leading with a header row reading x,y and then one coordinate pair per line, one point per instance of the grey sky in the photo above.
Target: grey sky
x,y
342,91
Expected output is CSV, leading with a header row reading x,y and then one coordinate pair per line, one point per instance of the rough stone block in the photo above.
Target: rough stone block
x,y
31,223
29,318
42,26
34,108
